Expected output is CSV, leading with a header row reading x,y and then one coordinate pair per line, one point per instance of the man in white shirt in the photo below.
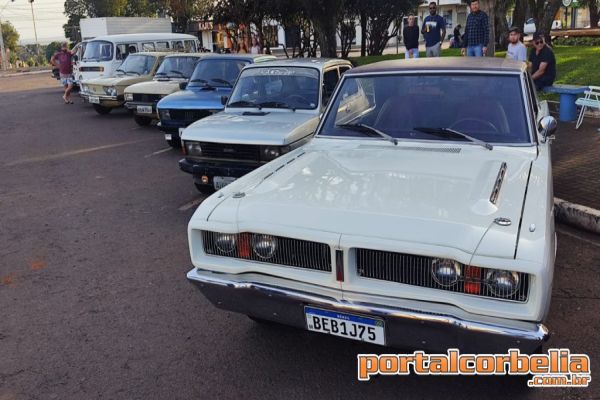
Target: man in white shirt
x,y
516,49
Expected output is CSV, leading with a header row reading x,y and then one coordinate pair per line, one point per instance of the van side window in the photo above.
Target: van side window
x,y
177,45
124,49
148,46
162,46
330,79
190,46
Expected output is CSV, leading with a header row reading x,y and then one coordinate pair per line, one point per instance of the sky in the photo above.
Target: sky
x,y
49,19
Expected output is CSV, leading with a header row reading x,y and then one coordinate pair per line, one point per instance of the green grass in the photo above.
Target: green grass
x,y
576,65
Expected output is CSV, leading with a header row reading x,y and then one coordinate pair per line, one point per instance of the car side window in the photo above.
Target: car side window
x,y
330,79
532,94
343,69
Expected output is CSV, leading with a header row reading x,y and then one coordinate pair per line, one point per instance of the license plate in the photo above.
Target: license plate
x,y
144,109
168,136
219,182
181,131
350,326
94,99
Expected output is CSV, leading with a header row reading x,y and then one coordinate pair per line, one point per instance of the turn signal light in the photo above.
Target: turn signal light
x,y
244,247
472,280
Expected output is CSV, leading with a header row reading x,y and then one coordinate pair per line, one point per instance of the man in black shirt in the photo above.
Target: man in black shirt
x,y
410,34
542,63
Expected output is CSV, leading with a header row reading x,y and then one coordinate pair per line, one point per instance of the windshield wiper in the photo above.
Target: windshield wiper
x,y
199,80
369,131
275,104
121,70
177,72
448,133
223,81
244,103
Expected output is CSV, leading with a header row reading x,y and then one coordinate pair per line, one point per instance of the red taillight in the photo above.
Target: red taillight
x,y
244,247
472,280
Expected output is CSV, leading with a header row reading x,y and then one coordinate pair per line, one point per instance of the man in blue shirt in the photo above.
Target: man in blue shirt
x,y
434,31
477,32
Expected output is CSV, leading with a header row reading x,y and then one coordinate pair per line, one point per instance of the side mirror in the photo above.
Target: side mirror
x,y
548,125
182,85
224,99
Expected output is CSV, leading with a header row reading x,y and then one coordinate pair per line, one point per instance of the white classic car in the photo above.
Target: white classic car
x,y
420,215
172,76
274,108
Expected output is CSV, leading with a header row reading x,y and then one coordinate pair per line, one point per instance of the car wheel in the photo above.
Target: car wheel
x,y
102,110
261,320
204,189
142,121
174,142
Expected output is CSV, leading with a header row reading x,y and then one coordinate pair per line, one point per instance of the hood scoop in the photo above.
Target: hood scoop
x,y
255,113
498,184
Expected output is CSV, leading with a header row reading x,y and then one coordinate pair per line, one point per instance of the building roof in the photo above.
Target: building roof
x,y
319,63
443,63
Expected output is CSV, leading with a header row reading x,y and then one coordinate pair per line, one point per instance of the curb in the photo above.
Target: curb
x,y
43,71
577,215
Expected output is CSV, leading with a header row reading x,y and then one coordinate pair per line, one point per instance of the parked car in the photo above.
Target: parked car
x,y
213,78
417,217
273,109
105,94
141,98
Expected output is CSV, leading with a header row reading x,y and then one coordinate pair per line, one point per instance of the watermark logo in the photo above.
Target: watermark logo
x,y
557,367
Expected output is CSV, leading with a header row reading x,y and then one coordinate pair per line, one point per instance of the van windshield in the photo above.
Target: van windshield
x,y
98,50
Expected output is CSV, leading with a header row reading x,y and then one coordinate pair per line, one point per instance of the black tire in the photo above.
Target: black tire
x,y
101,110
261,321
204,189
142,121
175,142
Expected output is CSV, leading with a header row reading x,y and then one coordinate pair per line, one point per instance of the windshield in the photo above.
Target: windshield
x,y
137,64
487,108
177,67
280,87
98,50
217,72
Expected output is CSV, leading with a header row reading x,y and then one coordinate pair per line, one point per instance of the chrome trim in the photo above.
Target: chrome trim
x,y
405,327
498,184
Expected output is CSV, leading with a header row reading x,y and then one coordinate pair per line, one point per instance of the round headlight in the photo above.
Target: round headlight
x,y
164,114
270,153
128,96
502,283
264,246
225,242
445,272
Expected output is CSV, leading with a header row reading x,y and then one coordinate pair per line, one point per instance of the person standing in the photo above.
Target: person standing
x,y
63,59
516,49
410,36
434,31
542,63
477,32
457,40
255,49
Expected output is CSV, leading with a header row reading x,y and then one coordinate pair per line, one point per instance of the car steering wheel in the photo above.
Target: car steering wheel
x,y
296,98
482,122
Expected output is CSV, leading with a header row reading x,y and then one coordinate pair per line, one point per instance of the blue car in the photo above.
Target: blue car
x,y
212,79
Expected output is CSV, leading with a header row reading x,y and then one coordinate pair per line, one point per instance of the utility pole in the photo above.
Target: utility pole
x,y
37,44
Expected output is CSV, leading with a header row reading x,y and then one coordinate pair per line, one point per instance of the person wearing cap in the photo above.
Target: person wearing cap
x,y
542,63
63,59
477,32
516,49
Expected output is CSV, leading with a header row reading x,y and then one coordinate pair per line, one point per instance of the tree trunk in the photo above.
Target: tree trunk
x,y
489,6
518,16
501,25
594,17
545,17
326,31
363,33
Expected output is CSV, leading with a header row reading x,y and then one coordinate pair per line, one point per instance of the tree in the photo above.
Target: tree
x,y
380,16
593,8
324,15
10,35
51,48
543,13
519,13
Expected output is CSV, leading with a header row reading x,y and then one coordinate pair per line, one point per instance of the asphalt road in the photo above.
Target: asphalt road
x,y
94,299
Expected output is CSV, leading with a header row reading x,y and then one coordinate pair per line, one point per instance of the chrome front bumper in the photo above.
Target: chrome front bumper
x,y
406,328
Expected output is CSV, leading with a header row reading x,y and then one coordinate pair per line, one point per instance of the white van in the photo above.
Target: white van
x,y
104,54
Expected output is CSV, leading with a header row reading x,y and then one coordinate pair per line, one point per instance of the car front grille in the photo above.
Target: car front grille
x,y
146,98
415,270
230,151
189,115
289,252
91,69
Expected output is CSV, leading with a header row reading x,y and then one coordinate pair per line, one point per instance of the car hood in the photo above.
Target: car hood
x,y
195,99
437,194
270,127
154,87
117,80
